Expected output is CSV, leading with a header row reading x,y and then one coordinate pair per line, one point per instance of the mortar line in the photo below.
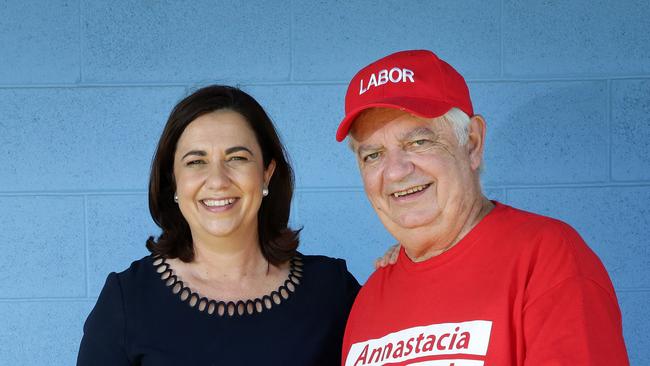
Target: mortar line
x,y
504,80
86,250
81,43
635,183
291,41
51,299
70,193
609,129
501,37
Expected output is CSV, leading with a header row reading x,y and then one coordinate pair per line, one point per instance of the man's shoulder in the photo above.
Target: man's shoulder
x,y
520,216
553,248
374,287
532,226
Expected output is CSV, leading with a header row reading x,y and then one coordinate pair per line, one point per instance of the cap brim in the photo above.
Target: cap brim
x,y
425,108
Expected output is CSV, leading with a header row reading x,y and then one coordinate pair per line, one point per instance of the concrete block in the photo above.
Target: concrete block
x,y
613,221
42,333
584,37
39,42
169,41
630,130
43,246
306,117
636,325
332,41
495,194
118,227
343,225
81,138
546,132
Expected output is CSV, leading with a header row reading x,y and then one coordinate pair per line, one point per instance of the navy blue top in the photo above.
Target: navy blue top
x,y
146,316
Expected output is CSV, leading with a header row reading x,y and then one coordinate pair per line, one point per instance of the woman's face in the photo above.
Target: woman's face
x,y
219,173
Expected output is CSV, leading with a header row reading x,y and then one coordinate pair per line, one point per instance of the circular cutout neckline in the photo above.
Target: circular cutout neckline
x,y
230,308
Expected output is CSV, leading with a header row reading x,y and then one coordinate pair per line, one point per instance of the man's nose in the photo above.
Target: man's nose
x,y
398,165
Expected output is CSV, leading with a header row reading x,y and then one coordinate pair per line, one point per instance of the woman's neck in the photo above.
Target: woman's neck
x,y
228,259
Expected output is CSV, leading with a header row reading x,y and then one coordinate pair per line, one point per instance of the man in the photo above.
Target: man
x,y
476,282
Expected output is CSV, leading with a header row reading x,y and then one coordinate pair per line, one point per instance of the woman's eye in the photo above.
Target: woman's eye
x,y
371,157
194,162
237,158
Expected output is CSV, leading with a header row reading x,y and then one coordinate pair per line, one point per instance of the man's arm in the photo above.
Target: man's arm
x,y
577,322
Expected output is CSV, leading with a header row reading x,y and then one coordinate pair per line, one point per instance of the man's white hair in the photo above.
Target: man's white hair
x,y
460,123
458,120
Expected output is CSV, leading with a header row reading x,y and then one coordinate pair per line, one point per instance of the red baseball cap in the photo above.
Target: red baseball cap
x,y
415,81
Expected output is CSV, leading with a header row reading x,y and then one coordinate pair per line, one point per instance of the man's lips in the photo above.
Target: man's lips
x,y
410,191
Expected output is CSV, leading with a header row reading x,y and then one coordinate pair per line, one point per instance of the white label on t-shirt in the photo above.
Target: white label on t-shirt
x,y
467,338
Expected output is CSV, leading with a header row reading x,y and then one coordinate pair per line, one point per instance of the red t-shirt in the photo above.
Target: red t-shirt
x,y
518,289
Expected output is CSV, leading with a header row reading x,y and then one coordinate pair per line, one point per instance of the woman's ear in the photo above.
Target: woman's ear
x,y
268,172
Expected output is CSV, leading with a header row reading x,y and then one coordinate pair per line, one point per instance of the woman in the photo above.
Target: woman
x,y
224,284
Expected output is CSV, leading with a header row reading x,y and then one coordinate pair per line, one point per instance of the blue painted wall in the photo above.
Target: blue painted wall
x,y
86,85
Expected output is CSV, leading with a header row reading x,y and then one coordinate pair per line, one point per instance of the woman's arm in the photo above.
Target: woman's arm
x,y
103,342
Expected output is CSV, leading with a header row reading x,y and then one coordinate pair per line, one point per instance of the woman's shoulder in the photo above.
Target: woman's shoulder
x,y
325,271
138,271
322,263
328,282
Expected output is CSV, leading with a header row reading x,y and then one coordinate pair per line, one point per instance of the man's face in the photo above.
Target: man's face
x,y
416,176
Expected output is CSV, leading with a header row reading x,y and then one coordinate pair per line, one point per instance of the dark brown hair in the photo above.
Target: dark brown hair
x,y
277,241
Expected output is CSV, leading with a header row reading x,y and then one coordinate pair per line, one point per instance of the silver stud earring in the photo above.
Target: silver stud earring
x,y
265,191
175,198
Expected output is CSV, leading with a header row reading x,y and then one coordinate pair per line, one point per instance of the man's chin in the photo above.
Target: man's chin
x,y
414,220
409,228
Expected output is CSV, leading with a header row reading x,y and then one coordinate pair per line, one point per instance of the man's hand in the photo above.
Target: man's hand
x,y
390,257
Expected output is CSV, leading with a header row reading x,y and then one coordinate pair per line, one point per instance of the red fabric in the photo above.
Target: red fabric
x,y
519,289
416,81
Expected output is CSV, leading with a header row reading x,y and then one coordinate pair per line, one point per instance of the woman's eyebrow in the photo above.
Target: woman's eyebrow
x,y
235,149
195,152
228,151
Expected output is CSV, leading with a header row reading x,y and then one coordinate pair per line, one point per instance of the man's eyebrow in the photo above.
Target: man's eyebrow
x,y
418,132
363,148
195,153
235,149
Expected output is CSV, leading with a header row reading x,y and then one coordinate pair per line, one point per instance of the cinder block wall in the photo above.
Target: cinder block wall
x,y
86,86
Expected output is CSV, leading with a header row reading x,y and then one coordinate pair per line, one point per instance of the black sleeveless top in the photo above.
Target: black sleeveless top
x,y
146,316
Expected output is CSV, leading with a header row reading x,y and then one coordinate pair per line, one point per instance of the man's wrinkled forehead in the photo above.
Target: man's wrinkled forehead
x,y
373,119
374,122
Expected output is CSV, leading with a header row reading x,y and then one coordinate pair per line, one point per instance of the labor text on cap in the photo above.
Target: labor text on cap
x,y
394,75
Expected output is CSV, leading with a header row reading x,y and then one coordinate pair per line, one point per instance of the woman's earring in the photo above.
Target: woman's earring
x,y
175,198
265,191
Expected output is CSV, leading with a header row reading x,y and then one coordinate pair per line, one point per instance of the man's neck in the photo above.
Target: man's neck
x,y
477,211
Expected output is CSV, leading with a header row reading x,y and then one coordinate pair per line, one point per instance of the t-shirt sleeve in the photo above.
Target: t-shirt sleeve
x,y
103,342
352,289
577,322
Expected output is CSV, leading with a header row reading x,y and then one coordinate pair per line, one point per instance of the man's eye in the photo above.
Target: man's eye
x,y
371,157
420,142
